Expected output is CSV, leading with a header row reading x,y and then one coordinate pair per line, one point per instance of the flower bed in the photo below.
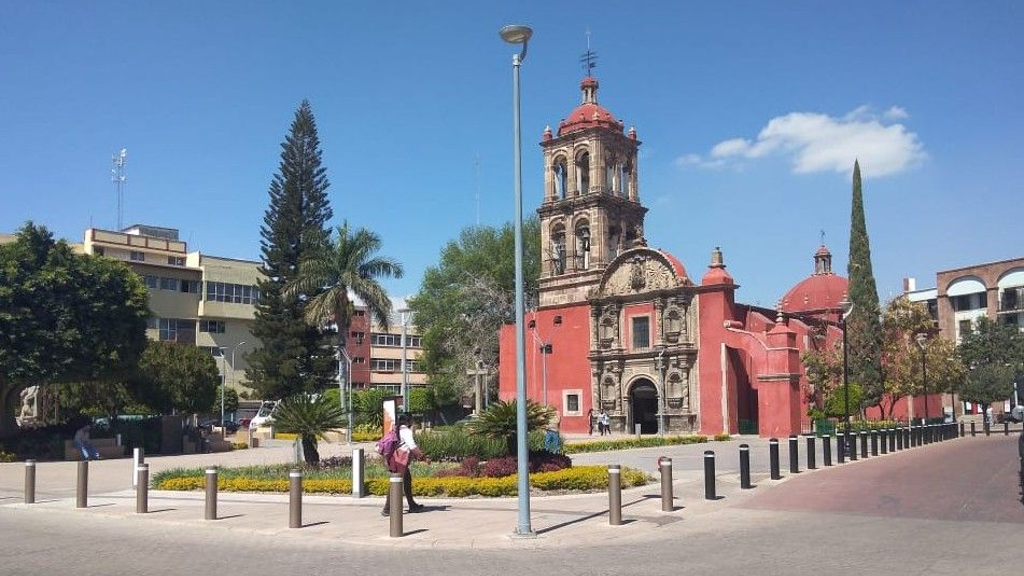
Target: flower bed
x,y
579,478
627,443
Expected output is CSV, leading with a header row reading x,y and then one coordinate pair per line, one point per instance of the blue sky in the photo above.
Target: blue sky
x,y
750,115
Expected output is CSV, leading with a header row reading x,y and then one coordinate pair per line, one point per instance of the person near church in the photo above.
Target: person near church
x,y
81,441
590,422
604,423
400,461
552,440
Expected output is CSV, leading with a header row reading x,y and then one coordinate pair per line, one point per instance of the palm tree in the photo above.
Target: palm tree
x,y
499,421
346,265
310,419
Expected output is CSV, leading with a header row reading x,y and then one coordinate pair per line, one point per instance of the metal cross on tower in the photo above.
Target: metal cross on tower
x,y
589,58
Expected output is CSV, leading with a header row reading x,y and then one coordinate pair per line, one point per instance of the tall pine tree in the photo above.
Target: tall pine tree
x,y
294,356
864,327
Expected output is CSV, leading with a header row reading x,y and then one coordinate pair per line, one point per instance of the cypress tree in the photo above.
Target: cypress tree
x,y
294,356
864,327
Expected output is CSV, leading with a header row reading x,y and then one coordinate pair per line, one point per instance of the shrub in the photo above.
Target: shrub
x,y
239,446
627,443
7,457
723,437
499,421
310,418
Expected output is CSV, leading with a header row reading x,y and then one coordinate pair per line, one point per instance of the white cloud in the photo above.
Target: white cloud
x,y
820,143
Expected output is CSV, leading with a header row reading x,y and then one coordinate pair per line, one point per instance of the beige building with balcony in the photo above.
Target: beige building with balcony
x,y
385,358
194,298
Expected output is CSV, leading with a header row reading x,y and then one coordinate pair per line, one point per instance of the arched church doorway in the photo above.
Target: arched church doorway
x,y
644,402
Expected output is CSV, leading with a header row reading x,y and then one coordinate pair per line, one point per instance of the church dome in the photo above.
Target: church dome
x,y
589,114
821,291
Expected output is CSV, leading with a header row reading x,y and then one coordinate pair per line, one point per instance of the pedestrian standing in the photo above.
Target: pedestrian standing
x,y
590,421
552,440
604,422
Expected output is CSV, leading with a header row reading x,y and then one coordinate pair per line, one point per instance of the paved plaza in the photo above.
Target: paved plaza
x,y
944,508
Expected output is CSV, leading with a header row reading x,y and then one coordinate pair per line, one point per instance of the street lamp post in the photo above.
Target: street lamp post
x,y
224,378
847,307
519,34
545,350
406,315
922,339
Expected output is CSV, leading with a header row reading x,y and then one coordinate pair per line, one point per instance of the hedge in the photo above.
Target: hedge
x,y
626,443
578,478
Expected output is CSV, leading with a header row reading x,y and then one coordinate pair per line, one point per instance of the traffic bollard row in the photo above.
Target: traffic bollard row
x,y
899,438
745,467
826,450
874,442
841,448
810,453
614,495
773,457
851,447
211,494
667,499
892,440
864,444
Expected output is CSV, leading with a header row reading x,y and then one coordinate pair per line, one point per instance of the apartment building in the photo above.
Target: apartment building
x,y
385,352
197,299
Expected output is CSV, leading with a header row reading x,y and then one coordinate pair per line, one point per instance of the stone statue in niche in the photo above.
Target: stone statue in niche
x,y
608,330
637,275
673,325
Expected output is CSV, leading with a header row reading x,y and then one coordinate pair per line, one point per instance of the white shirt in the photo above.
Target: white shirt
x,y
406,439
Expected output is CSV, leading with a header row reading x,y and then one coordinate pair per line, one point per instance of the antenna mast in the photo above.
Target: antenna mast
x,y
120,180
589,58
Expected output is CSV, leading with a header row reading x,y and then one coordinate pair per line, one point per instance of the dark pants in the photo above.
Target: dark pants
x,y
407,486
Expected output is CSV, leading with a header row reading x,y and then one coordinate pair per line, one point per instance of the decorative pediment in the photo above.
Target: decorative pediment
x,y
639,270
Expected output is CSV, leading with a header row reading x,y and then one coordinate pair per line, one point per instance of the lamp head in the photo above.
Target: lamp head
x,y
516,33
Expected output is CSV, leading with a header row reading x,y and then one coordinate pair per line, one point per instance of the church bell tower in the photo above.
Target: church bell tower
x,y
591,210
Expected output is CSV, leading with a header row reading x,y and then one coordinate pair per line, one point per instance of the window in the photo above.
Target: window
x,y
212,326
190,286
171,284
152,322
359,313
169,329
176,260
137,256
414,341
387,340
215,351
358,337
152,282
359,360
385,364
965,328
641,332
232,293
572,403
970,301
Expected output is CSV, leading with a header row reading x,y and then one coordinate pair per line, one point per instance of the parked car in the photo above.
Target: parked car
x,y
230,425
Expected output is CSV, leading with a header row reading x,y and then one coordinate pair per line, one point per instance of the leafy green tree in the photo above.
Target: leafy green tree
x,y
347,265
989,342
499,421
293,356
824,370
835,402
64,318
230,401
464,300
310,418
987,383
177,377
863,327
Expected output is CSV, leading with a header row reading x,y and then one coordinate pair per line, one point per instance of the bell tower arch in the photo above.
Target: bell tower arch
x,y
591,210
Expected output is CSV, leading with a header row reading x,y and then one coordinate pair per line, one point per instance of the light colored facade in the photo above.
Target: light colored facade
x,y
385,356
194,298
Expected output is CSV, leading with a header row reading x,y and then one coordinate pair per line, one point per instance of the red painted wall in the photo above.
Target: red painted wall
x,y
568,367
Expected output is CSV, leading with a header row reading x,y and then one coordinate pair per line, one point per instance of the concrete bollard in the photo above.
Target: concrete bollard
x,y
295,498
614,495
82,486
709,475
794,455
811,464
864,444
745,467
211,494
358,473
30,481
667,499
142,490
636,430
841,448
874,442
397,523
826,450
773,458
138,457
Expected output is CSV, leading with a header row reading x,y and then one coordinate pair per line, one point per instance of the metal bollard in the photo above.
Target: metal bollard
x,y
974,432
138,457
667,499
898,433
709,475
295,498
851,452
962,430
397,528
906,436
30,481
811,465
211,493
864,444
841,448
142,490
614,495
826,450
883,441
874,442
1006,427
773,457
745,467
794,455
82,487
358,473
892,439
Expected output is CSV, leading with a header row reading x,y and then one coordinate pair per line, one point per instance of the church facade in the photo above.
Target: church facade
x,y
624,328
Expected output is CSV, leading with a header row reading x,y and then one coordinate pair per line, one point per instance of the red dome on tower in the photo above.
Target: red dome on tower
x,y
589,114
820,292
